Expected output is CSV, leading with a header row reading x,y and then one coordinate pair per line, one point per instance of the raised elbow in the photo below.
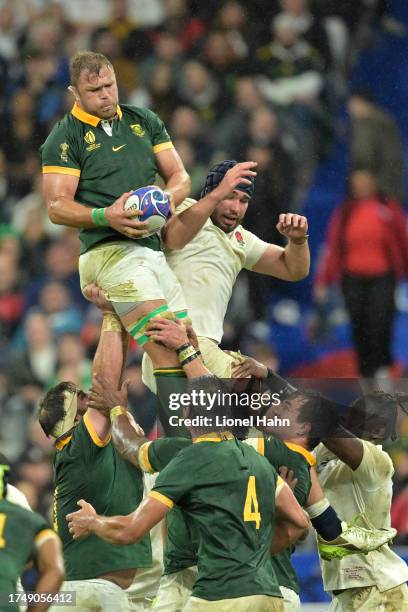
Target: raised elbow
x,y
299,275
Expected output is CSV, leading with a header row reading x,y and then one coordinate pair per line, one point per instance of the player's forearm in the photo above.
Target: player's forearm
x,y
109,357
348,449
66,211
114,529
178,186
182,228
127,439
49,583
296,258
285,535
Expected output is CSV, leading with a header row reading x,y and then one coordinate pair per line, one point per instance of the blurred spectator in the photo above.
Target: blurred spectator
x,y
308,26
232,20
179,21
10,242
291,69
8,33
72,363
145,13
105,41
376,144
185,124
125,20
246,99
4,188
55,302
163,95
199,89
367,252
290,77
35,359
23,135
197,172
11,298
61,265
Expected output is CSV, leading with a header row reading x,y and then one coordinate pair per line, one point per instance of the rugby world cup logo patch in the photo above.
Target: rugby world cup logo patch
x,y
156,200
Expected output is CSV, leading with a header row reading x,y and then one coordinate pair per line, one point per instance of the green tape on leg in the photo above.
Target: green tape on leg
x,y
182,314
133,331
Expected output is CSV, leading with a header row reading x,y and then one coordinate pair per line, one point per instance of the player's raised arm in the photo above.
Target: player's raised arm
x,y
183,227
291,263
172,170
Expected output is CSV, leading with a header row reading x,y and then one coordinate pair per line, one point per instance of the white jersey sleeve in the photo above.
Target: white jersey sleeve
x,y
15,496
255,248
375,467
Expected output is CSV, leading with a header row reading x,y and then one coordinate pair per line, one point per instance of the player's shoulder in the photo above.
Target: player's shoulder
x,y
377,455
11,509
141,113
66,128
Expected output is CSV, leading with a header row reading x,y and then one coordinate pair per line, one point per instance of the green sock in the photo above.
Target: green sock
x,y
171,383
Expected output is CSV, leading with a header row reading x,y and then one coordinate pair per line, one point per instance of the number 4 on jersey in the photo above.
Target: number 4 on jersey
x,y
251,511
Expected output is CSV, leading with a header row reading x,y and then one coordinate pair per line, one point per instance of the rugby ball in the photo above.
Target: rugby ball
x,y
154,205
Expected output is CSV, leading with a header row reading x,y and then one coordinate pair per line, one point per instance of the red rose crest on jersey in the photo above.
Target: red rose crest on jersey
x,y
240,238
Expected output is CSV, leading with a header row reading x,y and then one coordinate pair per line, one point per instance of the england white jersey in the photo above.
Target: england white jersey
x,y
366,491
207,268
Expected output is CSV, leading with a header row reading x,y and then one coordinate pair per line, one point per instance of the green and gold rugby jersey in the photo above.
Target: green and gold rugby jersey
x,y
20,532
106,166
86,467
299,460
180,550
228,491
181,546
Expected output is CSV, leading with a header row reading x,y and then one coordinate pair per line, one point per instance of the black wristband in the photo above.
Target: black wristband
x,y
183,347
188,359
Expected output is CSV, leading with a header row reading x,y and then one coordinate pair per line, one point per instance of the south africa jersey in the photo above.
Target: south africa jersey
x,y
106,166
207,268
86,467
228,491
20,532
181,545
299,461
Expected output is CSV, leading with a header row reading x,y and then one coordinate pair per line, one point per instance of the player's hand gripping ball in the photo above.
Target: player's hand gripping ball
x,y
153,203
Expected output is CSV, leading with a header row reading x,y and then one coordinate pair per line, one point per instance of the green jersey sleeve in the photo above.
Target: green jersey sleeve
x,y
174,481
279,454
59,153
154,456
159,135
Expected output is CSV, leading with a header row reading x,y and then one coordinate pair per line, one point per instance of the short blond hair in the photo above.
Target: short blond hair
x,y
89,61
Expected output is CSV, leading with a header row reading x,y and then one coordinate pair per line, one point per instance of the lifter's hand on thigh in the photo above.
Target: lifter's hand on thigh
x,y
171,334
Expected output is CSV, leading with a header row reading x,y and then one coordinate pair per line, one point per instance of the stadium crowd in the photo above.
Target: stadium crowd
x,y
258,80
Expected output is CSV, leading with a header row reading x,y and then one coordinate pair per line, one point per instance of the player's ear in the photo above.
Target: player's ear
x,y
74,92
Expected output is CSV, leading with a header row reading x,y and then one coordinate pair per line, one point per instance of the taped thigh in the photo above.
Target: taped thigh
x,y
137,328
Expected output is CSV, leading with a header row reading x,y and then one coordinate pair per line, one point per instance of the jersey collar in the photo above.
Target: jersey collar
x,y
214,436
85,117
